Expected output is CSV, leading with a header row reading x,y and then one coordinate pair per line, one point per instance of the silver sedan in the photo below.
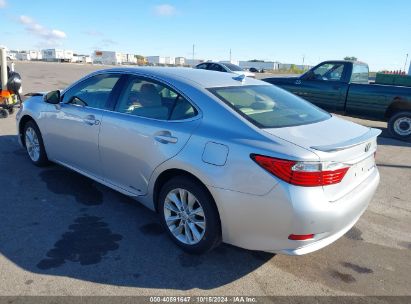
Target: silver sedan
x,y
219,157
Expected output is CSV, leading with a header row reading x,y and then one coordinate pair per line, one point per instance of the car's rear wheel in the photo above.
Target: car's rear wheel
x,y
189,215
34,144
399,125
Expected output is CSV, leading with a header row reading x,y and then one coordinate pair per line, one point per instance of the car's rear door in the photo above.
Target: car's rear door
x,y
72,127
143,130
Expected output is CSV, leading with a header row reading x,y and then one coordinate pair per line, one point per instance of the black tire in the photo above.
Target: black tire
x,y
212,235
4,113
42,160
11,110
395,125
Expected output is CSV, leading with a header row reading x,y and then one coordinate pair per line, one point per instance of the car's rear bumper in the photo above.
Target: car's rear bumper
x,y
265,222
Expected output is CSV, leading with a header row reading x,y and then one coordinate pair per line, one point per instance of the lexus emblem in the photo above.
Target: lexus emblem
x,y
367,147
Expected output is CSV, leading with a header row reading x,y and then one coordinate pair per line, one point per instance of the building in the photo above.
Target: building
x,y
160,60
409,70
259,65
107,57
57,55
193,62
180,61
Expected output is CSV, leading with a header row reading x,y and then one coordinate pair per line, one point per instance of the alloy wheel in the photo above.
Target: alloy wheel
x,y
32,144
184,216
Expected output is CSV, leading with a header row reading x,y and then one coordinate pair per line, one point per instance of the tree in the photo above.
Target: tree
x,y
350,58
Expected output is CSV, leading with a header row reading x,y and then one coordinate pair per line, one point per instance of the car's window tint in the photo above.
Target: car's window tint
x,y
92,92
329,72
182,109
145,98
202,66
216,67
270,107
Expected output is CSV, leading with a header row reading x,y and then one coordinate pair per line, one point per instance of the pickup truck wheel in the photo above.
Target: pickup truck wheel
x,y
399,125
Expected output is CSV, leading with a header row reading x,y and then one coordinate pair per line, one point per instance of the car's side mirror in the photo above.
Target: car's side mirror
x,y
52,97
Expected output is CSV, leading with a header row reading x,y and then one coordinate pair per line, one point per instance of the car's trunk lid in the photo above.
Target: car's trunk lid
x,y
337,140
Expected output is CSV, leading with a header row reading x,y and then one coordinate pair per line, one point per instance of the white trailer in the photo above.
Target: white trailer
x,y
156,60
129,59
180,61
193,62
107,57
259,65
57,55
81,59
23,56
35,55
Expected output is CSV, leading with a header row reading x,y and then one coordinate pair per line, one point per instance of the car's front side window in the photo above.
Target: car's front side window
x,y
93,92
150,99
329,72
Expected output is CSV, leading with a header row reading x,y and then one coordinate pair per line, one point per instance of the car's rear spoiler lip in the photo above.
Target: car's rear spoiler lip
x,y
371,134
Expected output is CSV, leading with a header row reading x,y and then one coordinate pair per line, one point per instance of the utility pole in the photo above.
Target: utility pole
x,y
405,64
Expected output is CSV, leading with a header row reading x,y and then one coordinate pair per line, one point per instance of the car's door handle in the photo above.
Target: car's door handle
x,y
165,137
91,120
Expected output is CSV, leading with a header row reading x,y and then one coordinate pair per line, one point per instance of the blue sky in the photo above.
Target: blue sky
x,y
377,32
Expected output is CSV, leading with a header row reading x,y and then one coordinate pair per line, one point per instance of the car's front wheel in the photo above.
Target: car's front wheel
x,y
189,215
399,125
34,144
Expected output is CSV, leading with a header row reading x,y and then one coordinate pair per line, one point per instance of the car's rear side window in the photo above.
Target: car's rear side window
x,y
270,107
360,74
147,98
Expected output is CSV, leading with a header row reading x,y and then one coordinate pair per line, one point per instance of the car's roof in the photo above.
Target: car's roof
x,y
345,61
198,77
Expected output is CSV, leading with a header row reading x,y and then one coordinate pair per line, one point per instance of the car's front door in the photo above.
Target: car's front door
x,y
150,124
73,126
324,86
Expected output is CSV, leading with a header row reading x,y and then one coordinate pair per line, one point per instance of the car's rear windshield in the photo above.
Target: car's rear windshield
x,y
267,106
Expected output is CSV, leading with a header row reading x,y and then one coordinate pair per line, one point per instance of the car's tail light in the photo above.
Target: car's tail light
x,y
307,174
